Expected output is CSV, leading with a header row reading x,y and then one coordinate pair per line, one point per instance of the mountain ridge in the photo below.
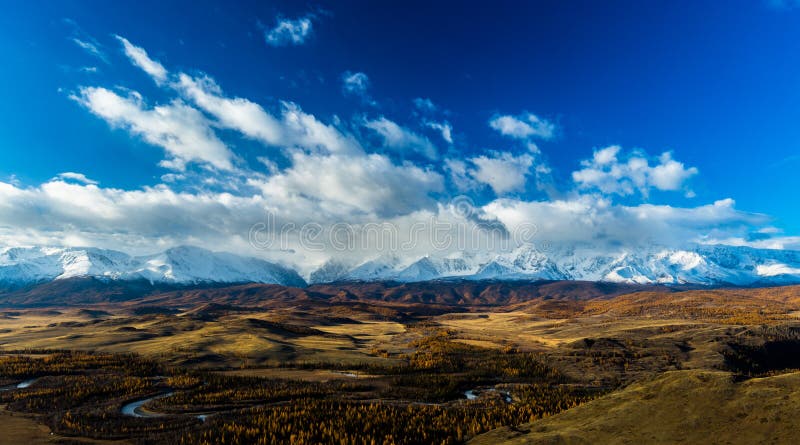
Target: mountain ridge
x,y
178,265
710,265
706,265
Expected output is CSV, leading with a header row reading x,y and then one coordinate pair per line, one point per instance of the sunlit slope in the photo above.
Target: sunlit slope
x,y
688,407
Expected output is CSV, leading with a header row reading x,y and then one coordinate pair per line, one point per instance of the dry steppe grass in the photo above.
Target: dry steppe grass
x,y
690,407
660,353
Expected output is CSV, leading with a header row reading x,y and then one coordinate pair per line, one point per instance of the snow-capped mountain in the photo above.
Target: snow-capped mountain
x,y
704,265
179,265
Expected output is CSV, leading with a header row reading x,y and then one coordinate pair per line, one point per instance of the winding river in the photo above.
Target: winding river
x,y
473,394
26,383
20,385
134,409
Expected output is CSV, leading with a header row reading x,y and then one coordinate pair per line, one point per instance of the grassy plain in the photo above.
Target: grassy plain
x,y
706,364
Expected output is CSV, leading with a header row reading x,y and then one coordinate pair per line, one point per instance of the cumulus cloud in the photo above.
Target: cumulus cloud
x,y
502,171
318,190
289,32
524,126
341,184
292,129
140,58
327,175
235,113
402,139
329,171
611,173
310,134
460,174
124,218
181,130
597,221
79,177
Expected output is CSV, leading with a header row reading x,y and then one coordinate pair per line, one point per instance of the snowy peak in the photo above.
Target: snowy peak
x,y
704,265
329,272
180,265
25,265
428,268
384,267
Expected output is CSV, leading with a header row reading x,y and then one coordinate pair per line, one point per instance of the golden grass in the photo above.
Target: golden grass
x,y
308,375
690,407
176,338
527,331
16,429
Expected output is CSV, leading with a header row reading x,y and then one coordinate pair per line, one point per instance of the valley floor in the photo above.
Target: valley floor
x,y
243,367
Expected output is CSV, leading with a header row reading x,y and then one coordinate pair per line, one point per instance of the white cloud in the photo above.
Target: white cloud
x,y
327,176
331,190
609,174
424,104
289,32
460,174
341,184
597,221
91,47
444,128
118,218
503,172
173,177
79,177
293,129
309,133
154,218
357,84
772,242
524,126
670,174
235,113
178,128
400,139
140,58
775,269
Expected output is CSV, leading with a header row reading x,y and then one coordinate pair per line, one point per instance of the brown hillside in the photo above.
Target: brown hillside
x,y
691,407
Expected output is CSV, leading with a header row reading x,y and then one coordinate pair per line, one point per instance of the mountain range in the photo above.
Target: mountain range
x,y
179,265
698,265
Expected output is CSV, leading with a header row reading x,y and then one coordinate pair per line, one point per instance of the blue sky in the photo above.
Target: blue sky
x,y
677,106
